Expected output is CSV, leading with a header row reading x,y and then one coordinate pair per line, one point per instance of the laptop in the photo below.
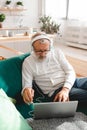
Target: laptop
x,y
55,109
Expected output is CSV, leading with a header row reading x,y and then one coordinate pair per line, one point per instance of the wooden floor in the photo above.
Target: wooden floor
x,y
80,66
72,51
77,57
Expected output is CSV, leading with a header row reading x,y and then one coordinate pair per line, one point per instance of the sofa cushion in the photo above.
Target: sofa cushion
x,y
10,118
11,81
10,75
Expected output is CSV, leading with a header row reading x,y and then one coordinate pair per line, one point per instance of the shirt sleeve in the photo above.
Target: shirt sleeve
x,y
27,76
70,75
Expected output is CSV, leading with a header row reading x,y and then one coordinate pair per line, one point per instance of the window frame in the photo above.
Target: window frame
x,y
67,10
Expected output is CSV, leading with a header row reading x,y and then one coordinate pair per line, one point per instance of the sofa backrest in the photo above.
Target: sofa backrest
x,y
11,75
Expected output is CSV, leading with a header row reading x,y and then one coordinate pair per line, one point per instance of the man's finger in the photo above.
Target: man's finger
x,y
32,91
65,99
55,99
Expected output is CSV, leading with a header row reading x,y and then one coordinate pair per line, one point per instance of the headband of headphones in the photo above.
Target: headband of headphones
x,y
39,37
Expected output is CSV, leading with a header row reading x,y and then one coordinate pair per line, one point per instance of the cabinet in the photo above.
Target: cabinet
x,y
76,37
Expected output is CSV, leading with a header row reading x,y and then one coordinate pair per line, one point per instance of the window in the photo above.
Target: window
x,y
77,9
55,8
70,9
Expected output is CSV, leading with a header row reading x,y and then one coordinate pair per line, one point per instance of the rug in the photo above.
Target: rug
x,y
78,122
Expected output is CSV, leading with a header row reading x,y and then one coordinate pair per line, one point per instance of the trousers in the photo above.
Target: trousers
x,y
77,92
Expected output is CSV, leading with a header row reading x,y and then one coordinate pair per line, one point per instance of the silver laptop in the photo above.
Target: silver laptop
x,y
54,109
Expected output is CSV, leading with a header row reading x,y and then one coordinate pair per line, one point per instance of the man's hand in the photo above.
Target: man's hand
x,y
28,95
62,96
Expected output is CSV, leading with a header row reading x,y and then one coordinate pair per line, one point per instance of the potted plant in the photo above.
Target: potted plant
x,y
2,18
48,25
19,4
8,2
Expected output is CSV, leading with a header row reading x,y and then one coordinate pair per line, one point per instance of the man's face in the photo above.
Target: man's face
x,y
41,49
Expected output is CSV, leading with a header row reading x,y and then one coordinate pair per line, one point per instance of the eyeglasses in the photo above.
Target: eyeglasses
x,y
41,51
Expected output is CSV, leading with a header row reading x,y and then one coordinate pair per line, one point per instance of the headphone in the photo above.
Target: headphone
x,y
41,37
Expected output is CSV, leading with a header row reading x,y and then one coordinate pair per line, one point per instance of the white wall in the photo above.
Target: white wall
x,y
29,18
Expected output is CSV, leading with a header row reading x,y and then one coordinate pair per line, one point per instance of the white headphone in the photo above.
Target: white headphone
x,y
42,36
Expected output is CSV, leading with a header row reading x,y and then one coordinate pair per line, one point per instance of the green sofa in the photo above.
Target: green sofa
x,y
11,83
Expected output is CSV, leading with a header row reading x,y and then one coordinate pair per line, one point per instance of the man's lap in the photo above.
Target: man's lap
x,y
78,92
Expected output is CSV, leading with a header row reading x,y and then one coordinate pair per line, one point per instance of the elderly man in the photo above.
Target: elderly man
x,y
53,76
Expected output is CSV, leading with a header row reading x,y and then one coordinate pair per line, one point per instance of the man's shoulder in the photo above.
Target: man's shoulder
x,y
28,58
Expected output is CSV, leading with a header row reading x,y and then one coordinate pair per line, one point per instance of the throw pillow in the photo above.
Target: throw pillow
x,y
10,118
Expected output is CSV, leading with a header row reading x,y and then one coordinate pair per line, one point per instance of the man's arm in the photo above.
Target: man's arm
x,y
27,91
70,77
